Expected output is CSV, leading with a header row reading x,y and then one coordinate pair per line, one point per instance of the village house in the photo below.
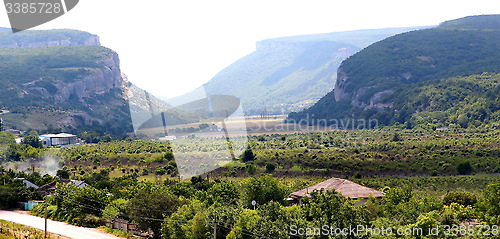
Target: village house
x,y
62,139
27,183
345,187
49,188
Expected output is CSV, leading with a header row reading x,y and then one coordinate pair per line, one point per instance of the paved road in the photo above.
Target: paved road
x,y
55,227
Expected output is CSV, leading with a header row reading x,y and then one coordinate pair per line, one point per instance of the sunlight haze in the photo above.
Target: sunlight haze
x,y
171,47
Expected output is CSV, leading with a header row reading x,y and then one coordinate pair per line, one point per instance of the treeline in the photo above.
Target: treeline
x,y
199,208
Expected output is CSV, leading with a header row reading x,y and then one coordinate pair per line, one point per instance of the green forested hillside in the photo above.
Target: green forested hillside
x,y
381,82
474,22
65,87
288,73
462,101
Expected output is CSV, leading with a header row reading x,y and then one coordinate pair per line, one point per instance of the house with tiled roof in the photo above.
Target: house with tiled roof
x,y
343,186
49,188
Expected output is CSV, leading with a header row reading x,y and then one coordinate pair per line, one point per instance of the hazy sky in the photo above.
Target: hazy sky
x,y
171,47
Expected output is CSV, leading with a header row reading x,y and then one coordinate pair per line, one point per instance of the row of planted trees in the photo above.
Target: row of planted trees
x,y
201,209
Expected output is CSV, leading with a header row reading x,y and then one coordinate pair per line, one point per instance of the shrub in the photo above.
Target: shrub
x,y
462,198
464,168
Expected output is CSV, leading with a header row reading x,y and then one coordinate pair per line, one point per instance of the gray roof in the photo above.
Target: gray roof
x,y
27,183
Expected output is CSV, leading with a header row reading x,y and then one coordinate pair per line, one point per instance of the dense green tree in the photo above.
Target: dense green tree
x,y
224,192
78,205
248,155
150,206
115,209
332,209
7,138
491,200
272,212
32,140
263,189
63,174
460,197
464,168
178,225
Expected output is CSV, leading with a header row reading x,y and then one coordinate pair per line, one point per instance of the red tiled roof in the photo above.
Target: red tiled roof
x,y
343,186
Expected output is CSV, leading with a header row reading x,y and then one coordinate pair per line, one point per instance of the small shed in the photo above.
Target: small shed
x,y
343,186
28,206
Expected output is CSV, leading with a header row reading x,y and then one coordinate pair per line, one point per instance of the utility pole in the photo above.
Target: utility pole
x,y
215,230
46,215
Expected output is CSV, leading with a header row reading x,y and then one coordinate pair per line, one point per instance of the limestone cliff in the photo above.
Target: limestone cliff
x,y
99,81
62,79
47,38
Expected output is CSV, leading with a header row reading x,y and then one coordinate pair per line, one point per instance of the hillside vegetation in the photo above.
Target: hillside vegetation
x,y
71,88
381,82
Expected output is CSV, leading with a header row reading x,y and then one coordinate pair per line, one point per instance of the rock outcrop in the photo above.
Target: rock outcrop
x,y
99,81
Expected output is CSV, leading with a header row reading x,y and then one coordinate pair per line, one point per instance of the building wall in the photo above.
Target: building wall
x,y
63,140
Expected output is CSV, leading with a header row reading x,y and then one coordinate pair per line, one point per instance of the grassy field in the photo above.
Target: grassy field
x,y
10,230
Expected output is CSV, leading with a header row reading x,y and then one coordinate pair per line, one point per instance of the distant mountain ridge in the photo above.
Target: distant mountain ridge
x,y
35,38
288,73
374,83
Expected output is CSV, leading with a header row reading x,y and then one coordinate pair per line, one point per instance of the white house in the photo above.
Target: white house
x,y
58,139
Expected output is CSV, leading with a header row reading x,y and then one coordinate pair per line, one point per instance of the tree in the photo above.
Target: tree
x,y
263,189
80,206
275,213
462,198
248,155
463,121
176,227
7,138
491,200
270,167
63,174
32,140
224,192
464,168
332,209
114,209
150,206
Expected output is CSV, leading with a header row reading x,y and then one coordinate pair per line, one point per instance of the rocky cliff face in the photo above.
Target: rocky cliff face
x,y
373,102
99,81
62,79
